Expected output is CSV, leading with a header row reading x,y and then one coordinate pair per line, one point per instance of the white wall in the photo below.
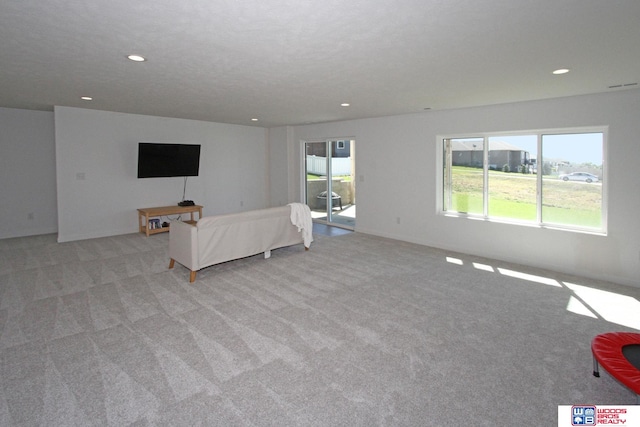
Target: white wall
x,y
27,173
243,164
279,164
102,147
402,143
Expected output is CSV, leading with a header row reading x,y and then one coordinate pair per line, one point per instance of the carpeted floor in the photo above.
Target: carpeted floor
x,y
358,331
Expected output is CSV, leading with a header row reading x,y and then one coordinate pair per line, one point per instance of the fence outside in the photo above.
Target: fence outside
x,y
317,165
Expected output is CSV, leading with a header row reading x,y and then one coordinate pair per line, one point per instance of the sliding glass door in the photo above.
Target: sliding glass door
x,y
330,181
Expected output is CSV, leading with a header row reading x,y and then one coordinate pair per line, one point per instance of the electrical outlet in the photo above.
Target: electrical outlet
x,y
241,203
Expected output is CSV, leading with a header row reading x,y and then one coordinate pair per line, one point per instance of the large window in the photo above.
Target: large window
x,y
546,178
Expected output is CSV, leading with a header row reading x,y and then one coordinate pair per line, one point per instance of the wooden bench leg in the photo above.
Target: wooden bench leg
x,y
172,263
306,248
192,276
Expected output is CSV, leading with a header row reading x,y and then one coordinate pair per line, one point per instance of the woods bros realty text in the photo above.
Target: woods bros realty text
x,y
597,415
611,416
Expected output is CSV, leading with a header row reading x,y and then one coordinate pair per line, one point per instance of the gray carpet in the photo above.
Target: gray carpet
x,y
359,331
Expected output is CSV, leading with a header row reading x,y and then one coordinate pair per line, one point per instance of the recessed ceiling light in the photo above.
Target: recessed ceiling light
x,y
561,71
137,58
254,120
86,98
345,104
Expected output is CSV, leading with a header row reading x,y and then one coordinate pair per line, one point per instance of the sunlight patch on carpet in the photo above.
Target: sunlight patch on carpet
x,y
483,267
616,308
529,277
577,307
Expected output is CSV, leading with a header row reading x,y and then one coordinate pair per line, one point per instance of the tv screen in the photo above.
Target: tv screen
x,y
157,160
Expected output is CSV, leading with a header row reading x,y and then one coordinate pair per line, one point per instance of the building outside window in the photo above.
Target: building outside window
x,y
546,178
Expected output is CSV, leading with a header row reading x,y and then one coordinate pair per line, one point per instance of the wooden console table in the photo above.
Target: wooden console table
x,y
149,213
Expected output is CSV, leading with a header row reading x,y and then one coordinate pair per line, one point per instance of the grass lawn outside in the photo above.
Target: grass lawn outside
x,y
344,178
513,196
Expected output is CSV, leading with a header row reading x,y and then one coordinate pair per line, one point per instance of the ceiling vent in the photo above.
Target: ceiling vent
x,y
623,85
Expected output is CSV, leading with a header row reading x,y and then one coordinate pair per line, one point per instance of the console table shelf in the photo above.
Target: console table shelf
x,y
145,214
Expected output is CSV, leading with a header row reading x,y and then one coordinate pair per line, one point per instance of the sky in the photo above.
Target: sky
x,y
574,148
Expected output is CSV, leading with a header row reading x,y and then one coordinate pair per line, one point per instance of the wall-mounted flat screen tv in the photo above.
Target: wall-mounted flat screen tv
x,y
157,160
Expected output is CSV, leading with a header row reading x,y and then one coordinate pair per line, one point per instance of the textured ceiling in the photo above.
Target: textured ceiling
x,y
288,62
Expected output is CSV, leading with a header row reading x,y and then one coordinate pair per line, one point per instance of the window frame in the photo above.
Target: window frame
x,y
441,191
